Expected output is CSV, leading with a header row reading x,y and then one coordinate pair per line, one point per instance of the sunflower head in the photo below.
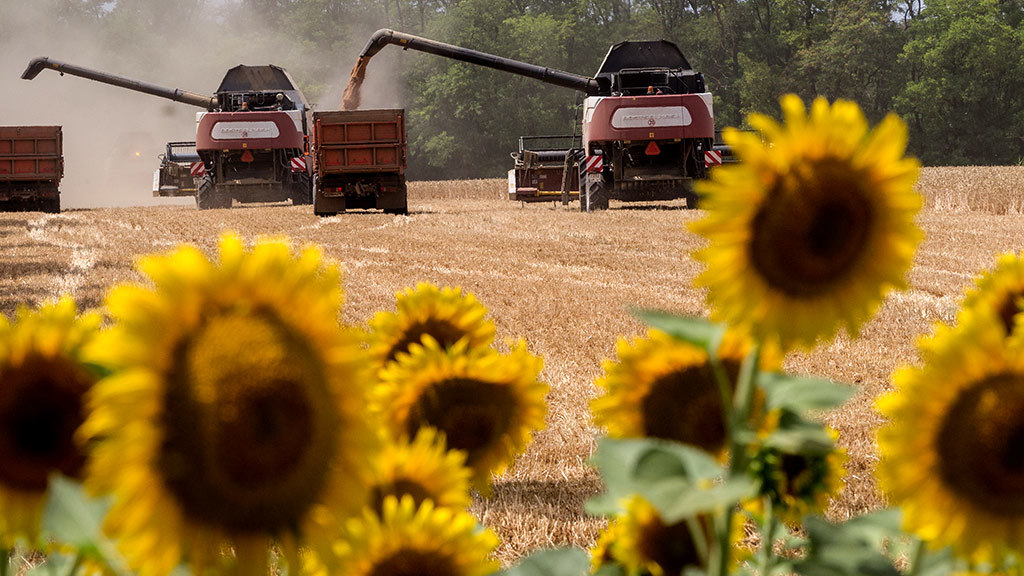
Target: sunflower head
x,y
445,314
486,404
1000,290
951,456
236,408
647,544
410,540
809,230
797,483
44,377
661,387
422,469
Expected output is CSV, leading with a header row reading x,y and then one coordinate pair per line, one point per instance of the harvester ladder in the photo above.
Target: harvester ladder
x,y
568,153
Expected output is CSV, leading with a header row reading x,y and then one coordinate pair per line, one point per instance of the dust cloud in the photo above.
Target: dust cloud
x,y
113,136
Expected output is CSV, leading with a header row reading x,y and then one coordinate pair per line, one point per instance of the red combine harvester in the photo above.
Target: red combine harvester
x,y
648,119
31,166
251,139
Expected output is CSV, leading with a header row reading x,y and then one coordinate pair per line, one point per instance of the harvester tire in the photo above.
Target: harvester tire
x,y
50,205
302,190
692,200
594,191
207,195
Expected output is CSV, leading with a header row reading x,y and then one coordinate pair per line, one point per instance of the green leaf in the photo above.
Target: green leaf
x,y
798,435
552,562
611,570
696,331
802,393
852,548
678,480
72,517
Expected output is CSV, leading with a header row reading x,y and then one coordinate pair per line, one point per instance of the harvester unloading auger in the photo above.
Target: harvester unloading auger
x,y
648,119
251,139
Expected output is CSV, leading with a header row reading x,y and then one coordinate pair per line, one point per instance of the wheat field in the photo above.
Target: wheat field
x,y
562,280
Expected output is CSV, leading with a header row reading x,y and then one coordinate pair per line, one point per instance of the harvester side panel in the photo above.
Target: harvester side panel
x,y
640,118
359,159
247,130
31,167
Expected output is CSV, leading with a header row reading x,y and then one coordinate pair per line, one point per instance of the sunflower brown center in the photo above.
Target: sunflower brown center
x,y
686,406
473,415
40,409
1009,309
670,547
812,230
981,445
446,334
400,487
249,429
415,563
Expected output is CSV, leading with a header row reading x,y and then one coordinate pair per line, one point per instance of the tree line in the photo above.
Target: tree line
x,y
952,69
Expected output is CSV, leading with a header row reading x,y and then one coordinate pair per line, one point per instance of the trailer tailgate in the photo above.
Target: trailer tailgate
x,y
31,153
359,141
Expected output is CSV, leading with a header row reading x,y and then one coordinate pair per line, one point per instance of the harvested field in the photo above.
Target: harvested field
x,y
558,278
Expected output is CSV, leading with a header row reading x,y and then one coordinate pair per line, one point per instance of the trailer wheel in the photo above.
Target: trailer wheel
x,y
208,196
594,191
50,205
302,189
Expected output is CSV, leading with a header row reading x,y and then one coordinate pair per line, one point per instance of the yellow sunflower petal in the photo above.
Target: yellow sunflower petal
x,y
234,415
805,235
423,469
486,404
951,450
408,539
445,314
44,378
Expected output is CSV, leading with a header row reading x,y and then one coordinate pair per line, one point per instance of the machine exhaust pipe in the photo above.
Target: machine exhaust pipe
x,y
383,37
37,65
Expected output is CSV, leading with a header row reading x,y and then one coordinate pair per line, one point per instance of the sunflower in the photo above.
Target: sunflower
x,y
797,484
44,378
662,387
951,452
422,469
445,314
601,554
808,233
410,540
236,409
1001,290
486,404
646,544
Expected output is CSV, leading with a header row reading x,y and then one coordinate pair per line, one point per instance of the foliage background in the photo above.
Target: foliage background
x,y
951,68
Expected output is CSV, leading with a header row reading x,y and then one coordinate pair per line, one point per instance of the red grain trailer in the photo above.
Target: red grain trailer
x,y
31,166
359,161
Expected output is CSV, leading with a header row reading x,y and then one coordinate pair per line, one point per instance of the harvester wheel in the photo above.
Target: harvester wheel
x,y
692,200
594,191
302,190
207,195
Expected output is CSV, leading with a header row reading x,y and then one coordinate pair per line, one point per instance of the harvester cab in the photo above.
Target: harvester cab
x,y
251,138
648,119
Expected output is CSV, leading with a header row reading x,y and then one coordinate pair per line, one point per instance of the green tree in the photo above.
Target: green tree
x,y
964,102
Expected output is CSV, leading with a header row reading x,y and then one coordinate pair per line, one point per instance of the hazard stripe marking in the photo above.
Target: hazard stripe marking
x,y
595,163
712,158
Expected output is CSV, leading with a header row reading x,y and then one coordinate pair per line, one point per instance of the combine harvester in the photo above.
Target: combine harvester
x,y
250,141
648,121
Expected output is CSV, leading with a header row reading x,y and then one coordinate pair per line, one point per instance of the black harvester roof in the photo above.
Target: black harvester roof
x,y
632,67
269,80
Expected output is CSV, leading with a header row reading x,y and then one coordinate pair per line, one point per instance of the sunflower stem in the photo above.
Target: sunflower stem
x,y
725,390
720,562
742,405
917,559
5,561
77,564
769,524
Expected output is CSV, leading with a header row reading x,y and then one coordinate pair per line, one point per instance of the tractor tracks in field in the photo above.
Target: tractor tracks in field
x,y
56,230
